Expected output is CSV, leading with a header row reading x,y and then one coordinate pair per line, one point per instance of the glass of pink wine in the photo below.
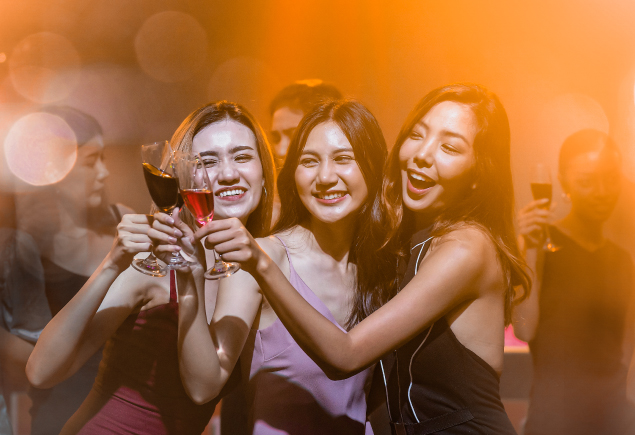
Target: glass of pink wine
x,y
542,188
198,195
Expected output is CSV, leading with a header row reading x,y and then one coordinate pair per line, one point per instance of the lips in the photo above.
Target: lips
x,y
419,183
330,197
233,193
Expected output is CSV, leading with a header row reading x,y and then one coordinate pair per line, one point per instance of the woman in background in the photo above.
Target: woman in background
x,y
330,189
576,318
138,389
449,195
74,226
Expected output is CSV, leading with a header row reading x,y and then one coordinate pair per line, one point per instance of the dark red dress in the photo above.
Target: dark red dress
x,y
138,389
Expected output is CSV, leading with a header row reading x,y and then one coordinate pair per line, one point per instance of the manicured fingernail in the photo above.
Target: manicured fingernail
x,y
178,233
172,239
170,220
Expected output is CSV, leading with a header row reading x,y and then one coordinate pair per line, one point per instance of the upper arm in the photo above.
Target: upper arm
x,y
458,269
125,295
237,304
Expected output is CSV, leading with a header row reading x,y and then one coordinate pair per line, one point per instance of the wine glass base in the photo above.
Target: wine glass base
x,y
225,270
151,268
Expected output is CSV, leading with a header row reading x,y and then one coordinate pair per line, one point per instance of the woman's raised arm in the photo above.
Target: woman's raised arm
x,y
454,271
95,312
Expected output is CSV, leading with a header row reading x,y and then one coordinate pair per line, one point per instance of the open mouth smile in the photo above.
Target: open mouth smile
x,y
231,193
330,197
419,183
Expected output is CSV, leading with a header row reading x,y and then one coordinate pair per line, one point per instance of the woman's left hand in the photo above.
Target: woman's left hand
x,y
233,242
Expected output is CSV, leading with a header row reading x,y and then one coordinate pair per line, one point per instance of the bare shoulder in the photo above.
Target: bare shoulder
x,y
273,248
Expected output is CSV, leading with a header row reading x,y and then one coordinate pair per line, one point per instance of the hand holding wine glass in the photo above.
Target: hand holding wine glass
x,y
198,194
158,163
542,189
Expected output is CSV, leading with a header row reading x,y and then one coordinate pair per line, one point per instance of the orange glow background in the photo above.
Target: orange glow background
x,y
140,66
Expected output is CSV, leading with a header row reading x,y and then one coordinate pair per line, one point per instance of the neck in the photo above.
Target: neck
x,y
423,221
584,231
334,239
71,221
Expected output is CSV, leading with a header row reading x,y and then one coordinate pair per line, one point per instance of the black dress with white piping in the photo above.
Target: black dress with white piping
x,y
435,385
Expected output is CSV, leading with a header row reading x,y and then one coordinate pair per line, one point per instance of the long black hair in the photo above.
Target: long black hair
x,y
364,134
488,206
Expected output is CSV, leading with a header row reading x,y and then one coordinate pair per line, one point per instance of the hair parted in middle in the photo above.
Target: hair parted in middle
x,y
369,147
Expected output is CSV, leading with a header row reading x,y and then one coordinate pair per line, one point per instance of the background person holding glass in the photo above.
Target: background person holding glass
x,y
576,318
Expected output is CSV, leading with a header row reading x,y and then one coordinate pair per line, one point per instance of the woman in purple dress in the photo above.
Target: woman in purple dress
x,y
330,187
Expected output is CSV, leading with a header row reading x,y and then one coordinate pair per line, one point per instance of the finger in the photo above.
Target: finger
x,y
162,237
167,229
163,218
212,227
182,226
166,249
136,219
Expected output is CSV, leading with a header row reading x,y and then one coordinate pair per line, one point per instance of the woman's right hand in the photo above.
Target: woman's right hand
x,y
532,220
171,234
132,238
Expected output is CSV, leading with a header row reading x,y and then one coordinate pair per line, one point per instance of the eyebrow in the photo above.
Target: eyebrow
x,y
338,150
446,132
233,150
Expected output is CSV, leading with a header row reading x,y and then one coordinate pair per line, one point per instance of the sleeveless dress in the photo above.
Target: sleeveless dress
x,y
287,393
435,385
139,381
52,407
579,383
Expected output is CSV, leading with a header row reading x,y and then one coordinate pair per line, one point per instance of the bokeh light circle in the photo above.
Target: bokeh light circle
x,y
44,67
171,46
40,149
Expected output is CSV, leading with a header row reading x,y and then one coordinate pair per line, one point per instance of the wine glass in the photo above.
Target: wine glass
x,y
198,195
542,188
158,161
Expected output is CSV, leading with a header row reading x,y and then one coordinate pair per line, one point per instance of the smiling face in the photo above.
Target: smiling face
x,y
437,159
84,184
230,153
593,181
329,181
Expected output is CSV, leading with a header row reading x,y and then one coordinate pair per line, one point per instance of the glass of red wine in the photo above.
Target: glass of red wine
x,y
158,171
198,195
542,188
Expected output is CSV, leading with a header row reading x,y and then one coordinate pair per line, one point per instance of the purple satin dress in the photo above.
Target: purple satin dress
x,y
287,393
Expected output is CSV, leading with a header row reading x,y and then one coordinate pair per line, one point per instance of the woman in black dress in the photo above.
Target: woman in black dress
x,y
576,316
448,194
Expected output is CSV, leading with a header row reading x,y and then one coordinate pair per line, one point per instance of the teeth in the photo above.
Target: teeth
x,y
332,195
230,193
417,177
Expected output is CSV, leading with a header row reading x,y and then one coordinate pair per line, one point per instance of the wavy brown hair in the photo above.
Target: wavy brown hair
x,y
259,221
374,271
489,206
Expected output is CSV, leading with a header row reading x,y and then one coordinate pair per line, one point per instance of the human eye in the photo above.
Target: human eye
x,y
415,135
209,162
344,158
449,149
308,161
243,158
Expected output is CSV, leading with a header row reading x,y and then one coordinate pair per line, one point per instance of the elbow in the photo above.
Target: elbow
x,y
341,370
35,377
524,331
202,397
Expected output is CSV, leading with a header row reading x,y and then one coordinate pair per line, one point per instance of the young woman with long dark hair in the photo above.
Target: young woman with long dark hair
x,y
448,191
330,187
138,388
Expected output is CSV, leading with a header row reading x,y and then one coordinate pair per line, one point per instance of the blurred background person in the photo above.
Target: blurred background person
x,y
74,227
24,309
576,318
289,106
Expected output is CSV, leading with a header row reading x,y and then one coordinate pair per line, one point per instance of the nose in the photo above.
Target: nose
x,y
424,156
326,173
102,170
228,173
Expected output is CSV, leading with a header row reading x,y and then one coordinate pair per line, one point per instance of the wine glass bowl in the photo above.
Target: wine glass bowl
x,y
198,195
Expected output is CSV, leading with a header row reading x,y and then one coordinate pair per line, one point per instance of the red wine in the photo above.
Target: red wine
x,y
201,203
542,191
163,188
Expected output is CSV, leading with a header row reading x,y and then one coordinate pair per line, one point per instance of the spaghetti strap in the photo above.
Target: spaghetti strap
x,y
172,286
285,249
